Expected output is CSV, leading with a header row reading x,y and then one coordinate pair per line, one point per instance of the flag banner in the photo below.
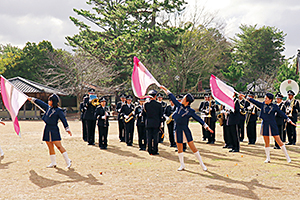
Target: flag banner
x,y
141,79
298,62
13,100
222,92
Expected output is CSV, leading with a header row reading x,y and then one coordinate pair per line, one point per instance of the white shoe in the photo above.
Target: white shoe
x,y
204,167
181,168
289,160
51,166
2,155
70,163
267,161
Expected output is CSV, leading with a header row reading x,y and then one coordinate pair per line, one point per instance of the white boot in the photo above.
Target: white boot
x,y
181,160
288,159
53,161
68,161
267,150
197,154
1,152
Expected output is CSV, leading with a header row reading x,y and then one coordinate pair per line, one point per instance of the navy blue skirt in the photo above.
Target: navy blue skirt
x,y
51,133
269,129
183,134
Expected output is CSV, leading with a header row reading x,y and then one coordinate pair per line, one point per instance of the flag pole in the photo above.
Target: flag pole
x,y
24,94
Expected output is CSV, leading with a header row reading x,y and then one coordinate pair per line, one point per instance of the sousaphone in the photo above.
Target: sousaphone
x,y
287,85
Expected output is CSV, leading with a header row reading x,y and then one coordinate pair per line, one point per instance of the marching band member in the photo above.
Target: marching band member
x,y
213,119
1,151
89,116
292,109
102,114
269,126
120,118
154,112
279,119
170,122
162,128
251,119
127,111
181,116
83,121
232,123
140,124
241,124
203,108
226,131
51,132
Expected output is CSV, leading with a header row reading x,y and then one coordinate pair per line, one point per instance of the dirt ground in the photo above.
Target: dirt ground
x,y
122,172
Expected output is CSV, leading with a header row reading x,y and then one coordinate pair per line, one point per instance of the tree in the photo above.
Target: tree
x,y
8,55
258,52
127,28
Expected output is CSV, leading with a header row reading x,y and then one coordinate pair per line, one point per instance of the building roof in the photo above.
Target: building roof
x,y
28,86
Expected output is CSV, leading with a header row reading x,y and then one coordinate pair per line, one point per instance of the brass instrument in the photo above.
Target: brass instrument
x,y
130,117
241,109
221,117
209,110
289,109
95,102
170,119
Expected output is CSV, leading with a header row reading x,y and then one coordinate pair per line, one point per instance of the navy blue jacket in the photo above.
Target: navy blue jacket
x,y
52,115
89,113
154,113
99,113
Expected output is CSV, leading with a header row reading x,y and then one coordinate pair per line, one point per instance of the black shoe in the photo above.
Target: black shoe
x,y
203,139
234,150
91,143
229,147
276,147
241,140
289,143
184,150
176,150
129,144
156,153
225,147
251,143
294,143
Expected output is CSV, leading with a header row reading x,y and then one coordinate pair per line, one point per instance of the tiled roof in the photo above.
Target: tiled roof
x,y
28,86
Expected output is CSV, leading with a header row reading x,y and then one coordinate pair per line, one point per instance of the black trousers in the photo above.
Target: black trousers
x,y
291,132
212,136
226,135
251,132
171,134
84,130
129,128
161,134
234,137
91,126
121,130
241,130
103,132
152,140
280,129
142,136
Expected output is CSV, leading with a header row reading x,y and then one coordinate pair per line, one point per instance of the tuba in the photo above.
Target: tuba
x,y
95,102
285,86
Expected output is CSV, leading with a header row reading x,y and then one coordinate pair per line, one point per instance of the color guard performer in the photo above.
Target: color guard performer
x,y
102,114
182,132
51,132
1,151
127,111
162,128
154,112
121,122
179,99
83,121
292,109
170,109
140,124
89,116
251,118
279,119
269,126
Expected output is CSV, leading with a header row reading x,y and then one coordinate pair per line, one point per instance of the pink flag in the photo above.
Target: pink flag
x,y
222,92
141,78
13,100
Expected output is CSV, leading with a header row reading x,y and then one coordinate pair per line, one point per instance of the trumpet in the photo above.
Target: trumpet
x,y
170,119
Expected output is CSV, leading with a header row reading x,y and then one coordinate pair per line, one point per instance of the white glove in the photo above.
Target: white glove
x,y
223,111
140,114
162,125
103,117
119,110
167,118
126,116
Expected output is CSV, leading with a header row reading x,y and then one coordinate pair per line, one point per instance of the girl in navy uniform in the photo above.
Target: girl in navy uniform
x,y
51,132
1,151
182,132
269,126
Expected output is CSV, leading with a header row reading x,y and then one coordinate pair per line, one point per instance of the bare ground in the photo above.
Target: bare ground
x,y
122,172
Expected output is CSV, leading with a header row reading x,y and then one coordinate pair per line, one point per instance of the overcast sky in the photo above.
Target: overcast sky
x,y
36,20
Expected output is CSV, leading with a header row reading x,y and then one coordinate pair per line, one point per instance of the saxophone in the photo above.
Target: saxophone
x,y
290,108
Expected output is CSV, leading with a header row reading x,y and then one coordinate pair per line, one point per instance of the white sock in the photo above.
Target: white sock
x,y
181,160
285,153
53,161
68,161
1,152
267,150
197,154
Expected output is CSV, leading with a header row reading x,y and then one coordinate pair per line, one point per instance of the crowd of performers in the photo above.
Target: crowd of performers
x,y
152,115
